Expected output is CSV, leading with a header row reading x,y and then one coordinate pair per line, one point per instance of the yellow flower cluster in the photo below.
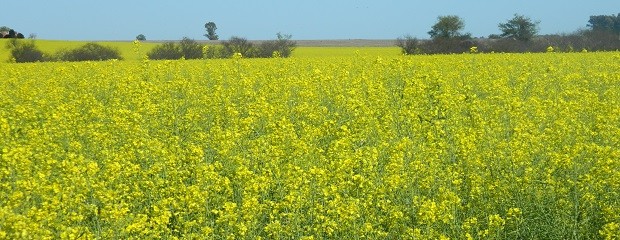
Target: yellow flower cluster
x,y
498,146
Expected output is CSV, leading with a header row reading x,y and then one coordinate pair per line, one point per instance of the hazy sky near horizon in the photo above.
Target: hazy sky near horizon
x,y
256,20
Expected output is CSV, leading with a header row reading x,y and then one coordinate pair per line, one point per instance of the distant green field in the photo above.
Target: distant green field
x,y
128,53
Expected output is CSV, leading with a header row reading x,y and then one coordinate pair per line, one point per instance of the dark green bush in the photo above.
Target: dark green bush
x,y
215,51
169,51
89,52
409,45
24,51
190,49
238,45
187,48
283,46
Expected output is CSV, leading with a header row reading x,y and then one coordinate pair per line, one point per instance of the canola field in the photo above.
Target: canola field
x,y
473,146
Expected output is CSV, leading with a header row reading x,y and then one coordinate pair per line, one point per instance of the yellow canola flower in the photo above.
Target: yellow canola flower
x,y
422,147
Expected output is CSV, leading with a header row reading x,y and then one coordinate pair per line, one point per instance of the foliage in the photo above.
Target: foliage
x,y
238,45
211,27
24,51
187,48
12,34
90,52
478,146
409,45
520,28
605,23
168,50
190,49
588,40
141,37
282,47
448,27
215,52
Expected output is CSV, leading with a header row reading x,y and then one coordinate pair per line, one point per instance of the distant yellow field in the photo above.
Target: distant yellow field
x,y
52,46
127,49
488,146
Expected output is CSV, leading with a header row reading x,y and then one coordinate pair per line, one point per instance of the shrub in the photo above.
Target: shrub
x,y
409,45
186,48
283,46
238,45
90,52
447,45
590,40
190,49
24,51
169,51
215,51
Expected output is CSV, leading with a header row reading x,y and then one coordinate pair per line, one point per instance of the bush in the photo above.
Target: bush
x,y
215,51
187,48
24,51
267,48
90,52
238,45
590,40
190,49
169,51
409,45
282,47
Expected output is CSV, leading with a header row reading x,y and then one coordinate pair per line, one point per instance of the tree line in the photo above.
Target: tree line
x,y
188,48
518,34
283,46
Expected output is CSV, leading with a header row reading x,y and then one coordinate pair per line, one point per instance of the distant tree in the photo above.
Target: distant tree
x,y
12,33
19,35
211,27
448,27
605,23
519,27
4,29
141,37
32,36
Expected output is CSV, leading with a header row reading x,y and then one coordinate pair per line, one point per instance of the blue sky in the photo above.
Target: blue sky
x,y
316,19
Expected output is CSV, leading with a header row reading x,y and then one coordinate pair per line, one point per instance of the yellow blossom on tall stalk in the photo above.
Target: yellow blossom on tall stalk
x,y
473,49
